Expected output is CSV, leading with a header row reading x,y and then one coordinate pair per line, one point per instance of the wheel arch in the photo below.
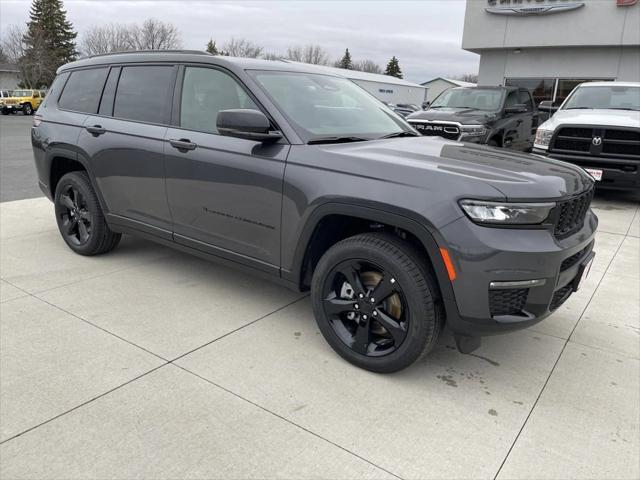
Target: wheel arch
x,y
316,238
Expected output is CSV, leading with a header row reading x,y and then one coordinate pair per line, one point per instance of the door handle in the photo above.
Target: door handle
x,y
96,130
183,144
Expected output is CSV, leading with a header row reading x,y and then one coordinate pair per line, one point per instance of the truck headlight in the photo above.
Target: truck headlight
x,y
543,137
504,213
473,130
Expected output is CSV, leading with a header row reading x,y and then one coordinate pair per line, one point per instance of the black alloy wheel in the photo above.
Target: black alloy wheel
x,y
365,307
75,217
79,216
376,301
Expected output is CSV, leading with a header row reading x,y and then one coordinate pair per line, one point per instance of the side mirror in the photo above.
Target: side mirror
x,y
547,106
247,124
425,105
519,108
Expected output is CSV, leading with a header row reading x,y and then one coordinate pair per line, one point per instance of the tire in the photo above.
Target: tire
x,y
80,218
344,285
493,143
27,109
5,111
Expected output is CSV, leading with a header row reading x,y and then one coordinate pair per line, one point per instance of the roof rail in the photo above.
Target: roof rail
x,y
135,52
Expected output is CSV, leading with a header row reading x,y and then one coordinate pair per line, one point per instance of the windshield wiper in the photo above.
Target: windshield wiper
x,y
578,108
400,134
624,108
320,140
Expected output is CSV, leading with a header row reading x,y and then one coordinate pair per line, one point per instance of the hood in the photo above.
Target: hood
x,y
450,168
460,115
614,118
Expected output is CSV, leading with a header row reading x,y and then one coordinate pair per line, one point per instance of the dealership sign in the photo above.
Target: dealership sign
x,y
531,7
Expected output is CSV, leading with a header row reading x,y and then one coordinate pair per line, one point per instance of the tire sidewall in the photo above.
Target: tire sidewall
x,y
72,179
421,314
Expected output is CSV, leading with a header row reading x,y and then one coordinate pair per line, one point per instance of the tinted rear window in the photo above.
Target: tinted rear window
x,y
145,93
83,89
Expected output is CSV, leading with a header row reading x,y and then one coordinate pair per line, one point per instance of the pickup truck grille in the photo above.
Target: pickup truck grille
x,y
571,213
597,141
445,130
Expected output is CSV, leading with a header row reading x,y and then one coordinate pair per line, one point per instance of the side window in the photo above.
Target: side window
x,y
109,94
36,94
205,92
53,91
83,89
525,99
512,99
144,94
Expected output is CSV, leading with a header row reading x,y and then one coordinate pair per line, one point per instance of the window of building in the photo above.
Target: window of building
x,y
83,89
144,94
205,92
541,88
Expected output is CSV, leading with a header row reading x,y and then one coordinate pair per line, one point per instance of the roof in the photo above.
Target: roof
x,y
358,75
190,56
608,84
8,67
458,83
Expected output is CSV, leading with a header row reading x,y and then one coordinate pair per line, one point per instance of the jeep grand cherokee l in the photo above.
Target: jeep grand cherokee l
x,y
497,116
598,128
307,179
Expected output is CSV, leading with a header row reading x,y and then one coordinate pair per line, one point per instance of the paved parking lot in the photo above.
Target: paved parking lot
x,y
148,363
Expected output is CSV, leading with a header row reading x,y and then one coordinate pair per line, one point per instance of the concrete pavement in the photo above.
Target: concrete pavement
x,y
148,363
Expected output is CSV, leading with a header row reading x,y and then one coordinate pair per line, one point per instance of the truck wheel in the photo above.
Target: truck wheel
x,y
80,218
27,109
374,300
493,143
5,111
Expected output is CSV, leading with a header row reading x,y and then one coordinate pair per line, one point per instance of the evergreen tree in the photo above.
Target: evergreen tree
x,y
49,42
346,62
393,68
212,49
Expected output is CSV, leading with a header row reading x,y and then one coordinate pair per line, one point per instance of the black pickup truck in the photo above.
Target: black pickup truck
x,y
496,116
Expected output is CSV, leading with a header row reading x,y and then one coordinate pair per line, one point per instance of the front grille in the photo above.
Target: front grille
x,y
451,132
597,141
509,301
560,296
575,258
571,213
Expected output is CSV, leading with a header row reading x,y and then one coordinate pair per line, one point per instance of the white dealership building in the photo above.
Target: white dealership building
x,y
549,46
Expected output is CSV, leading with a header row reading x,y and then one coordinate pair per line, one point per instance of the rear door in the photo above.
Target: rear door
x,y
225,193
124,142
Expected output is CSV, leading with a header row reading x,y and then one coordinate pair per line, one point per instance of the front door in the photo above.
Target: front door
x,y
225,193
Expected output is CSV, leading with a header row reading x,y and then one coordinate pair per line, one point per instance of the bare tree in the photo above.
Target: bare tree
x,y
114,37
271,56
154,35
467,77
13,45
367,66
242,47
314,54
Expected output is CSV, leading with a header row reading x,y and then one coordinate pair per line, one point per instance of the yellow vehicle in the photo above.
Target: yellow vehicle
x,y
25,101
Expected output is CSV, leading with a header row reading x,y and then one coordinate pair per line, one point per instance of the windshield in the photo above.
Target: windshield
x,y
22,93
477,98
604,97
321,106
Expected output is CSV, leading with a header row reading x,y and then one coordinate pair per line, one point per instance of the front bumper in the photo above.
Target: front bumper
x,y
483,255
616,172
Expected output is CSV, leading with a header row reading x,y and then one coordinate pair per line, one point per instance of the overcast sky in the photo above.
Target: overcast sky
x,y
425,35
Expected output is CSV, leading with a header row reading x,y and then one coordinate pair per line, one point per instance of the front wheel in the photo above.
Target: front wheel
x,y
375,302
80,218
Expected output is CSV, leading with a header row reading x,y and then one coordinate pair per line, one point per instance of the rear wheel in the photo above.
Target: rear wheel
x,y
375,302
27,109
80,218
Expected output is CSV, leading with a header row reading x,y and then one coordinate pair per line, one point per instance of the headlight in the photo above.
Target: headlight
x,y
543,137
473,130
503,213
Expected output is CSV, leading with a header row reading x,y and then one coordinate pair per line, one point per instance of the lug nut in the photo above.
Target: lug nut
x,y
356,306
364,317
375,314
393,280
361,296
373,300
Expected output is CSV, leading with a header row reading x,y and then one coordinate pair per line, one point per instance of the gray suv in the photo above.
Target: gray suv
x,y
305,178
